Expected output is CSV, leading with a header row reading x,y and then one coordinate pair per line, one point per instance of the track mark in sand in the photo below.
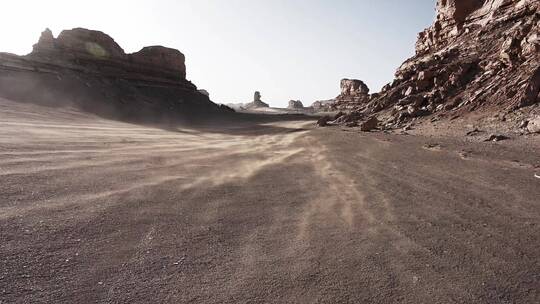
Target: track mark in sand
x,y
136,260
269,150
341,200
241,170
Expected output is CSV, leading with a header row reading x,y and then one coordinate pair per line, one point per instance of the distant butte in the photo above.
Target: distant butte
x,y
88,69
79,45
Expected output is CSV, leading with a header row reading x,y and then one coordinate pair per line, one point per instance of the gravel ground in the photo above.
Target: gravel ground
x,y
97,211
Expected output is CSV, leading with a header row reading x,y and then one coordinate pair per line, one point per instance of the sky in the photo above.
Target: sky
x,y
286,49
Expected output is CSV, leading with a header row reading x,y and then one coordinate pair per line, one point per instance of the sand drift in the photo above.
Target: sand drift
x,y
94,210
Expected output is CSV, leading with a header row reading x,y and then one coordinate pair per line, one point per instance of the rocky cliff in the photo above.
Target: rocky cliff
x,y
89,70
479,56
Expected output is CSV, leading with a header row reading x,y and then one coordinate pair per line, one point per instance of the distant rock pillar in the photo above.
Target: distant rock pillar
x,y
257,96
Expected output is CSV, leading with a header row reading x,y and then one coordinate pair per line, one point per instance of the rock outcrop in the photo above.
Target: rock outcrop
x,y
87,47
533,126
353,92
479,55
257,102
161,58
89,69
295,105
323,105
369,124
353,88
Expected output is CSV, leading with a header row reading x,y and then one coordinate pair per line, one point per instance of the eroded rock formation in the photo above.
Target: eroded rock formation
x,y
295,104
353,92
79,46
257,102
89,69
479,55
322,105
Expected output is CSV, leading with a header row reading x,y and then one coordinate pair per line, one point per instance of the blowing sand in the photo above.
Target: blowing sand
x,y
98,211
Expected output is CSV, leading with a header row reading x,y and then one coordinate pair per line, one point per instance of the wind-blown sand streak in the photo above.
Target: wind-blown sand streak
x,y
102,211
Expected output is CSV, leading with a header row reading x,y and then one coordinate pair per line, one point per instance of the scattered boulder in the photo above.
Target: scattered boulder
x,y
370,124
323,121
534,125
496,138
414,111
425,80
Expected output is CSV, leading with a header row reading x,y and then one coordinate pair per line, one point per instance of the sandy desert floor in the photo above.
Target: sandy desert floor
x,y
97,211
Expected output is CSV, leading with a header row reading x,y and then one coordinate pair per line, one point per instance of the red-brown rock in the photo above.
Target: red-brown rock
x,y
161,57
88,69
353,87
87,43
295,104
479,55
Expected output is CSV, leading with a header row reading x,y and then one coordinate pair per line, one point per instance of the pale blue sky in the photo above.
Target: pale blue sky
x,y
287,49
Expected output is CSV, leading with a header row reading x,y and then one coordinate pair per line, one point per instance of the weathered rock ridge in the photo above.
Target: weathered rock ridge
x,y
90,70
479,56
79,46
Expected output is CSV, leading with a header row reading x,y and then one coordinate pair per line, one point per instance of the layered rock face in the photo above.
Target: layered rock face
x,y
479,56
161,58
353,92
89,69
353,87
80,46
